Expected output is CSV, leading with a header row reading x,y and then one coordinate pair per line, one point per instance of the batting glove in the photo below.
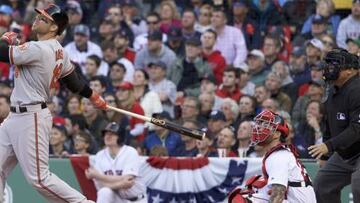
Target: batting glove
x,y
11,38
98,101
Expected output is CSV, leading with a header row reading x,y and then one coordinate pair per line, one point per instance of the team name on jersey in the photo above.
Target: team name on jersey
x,y
110,172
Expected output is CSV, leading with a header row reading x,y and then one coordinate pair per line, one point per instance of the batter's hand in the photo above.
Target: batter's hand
x,y
11,38
98,101
318,150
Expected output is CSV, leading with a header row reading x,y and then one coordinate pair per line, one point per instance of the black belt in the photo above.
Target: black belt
x,y
23,109
300,184
136,198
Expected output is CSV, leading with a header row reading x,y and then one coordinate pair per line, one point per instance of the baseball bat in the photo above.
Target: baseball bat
x,y
197,134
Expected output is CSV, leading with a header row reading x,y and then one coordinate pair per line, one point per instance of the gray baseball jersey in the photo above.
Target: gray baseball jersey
x,y
39,65
24,136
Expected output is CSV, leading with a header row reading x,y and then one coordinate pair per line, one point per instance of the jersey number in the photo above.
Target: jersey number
x,y
56,76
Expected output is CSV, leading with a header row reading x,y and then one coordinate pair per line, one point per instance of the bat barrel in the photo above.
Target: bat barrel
x,y
197,134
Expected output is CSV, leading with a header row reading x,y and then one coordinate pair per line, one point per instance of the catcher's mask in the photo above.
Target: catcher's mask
x,y
266,124
337,60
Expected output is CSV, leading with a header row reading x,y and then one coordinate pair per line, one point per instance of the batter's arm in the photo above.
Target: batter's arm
x,y
75,84
277,193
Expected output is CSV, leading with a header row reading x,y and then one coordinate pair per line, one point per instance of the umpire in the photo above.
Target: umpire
x,y
341,142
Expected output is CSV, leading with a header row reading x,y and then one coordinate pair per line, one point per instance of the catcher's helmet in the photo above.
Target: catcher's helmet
x,y
116,129
336,60
55,14
266,124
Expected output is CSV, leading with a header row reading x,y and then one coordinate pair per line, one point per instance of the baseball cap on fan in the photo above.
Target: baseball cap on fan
x,y
125,86
257,53
217,115
316,43
82,29
73,7
318,19
5,9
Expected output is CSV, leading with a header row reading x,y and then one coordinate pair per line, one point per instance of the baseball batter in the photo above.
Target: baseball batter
x,y
25,133
284,177
116,170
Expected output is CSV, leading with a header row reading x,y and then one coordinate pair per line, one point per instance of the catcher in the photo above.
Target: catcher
x,y
284,177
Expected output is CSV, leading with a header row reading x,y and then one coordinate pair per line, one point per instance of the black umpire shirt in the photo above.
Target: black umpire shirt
x,y
343,115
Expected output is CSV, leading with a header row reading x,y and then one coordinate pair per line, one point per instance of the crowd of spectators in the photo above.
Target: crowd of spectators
x,y
205,64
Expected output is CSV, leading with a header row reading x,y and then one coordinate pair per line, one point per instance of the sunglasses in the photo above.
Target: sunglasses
x,y
152,22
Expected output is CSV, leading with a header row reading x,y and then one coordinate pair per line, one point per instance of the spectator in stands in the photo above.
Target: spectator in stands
x,y
159,150
353,46
314,51
207,102
208,84
116,171
350,26
310,130
296,12
188,149
329,43
205,146
117,75
226,141
111,55
4,107
82,47
230,109
72,105
318,28
57,140
316,75
214,58
270,104
271,48
287,86
216,122
94,119
169,16
98,84
153,23
261,93
229,87
163,137
149,100
243,139
106,31
82,143
273,84
186,72
324,9
263,14
133,18
315,92
165,88
127,101
297,63
116,16
92,65
75,14
256,61
247,107
154,51
188,21
176,41
204,20
244,83
230,40
121,42
190,110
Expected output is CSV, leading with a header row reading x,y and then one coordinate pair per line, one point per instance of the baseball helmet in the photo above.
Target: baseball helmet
x,y
116,129
266,124
336,60
56,15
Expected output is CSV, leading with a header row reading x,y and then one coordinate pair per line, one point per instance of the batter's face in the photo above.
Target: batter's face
x,y
43,25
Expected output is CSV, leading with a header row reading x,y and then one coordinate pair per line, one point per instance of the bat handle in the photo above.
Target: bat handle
x,y
197,134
